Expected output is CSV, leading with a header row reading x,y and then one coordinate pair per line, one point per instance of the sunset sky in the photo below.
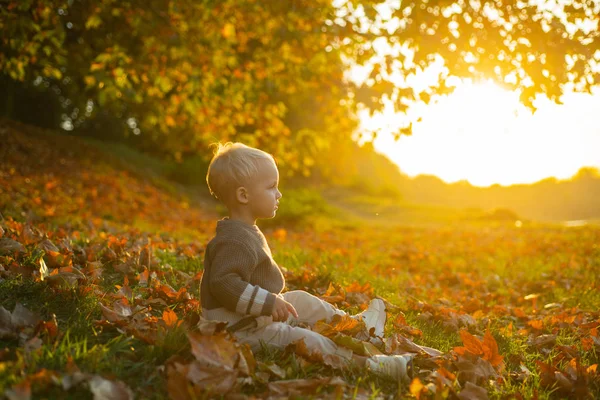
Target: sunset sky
x,y
483,135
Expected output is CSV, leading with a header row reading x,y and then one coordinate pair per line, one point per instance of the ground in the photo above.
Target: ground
x,y
101,256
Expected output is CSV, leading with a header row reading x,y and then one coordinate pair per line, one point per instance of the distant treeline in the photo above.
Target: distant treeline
x,y
549,200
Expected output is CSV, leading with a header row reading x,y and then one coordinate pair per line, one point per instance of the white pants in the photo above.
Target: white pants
x,y
279,334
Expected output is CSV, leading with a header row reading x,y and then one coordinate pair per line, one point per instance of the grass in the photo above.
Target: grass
x,y
443,269
403,264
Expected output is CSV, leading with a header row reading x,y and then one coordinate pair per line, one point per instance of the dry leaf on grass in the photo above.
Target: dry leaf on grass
x,y
473,392
10,246
331,360
299,387
486,348
398,344
104,389
339,323
12,323
216,350
476,371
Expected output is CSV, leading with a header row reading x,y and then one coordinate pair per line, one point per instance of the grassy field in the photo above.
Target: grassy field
x,y
99,295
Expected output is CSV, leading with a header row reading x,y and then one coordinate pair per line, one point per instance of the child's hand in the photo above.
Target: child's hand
x,y
282,310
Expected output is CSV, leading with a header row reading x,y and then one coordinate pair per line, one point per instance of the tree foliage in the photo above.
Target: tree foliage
x,y
274,74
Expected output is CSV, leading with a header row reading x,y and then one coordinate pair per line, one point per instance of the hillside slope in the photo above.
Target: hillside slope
x,y
547,200
47,177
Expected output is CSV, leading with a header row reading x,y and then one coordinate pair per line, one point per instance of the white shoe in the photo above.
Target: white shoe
x,y
374,317
396,367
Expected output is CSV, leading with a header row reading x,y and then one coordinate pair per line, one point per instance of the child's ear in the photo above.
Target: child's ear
x,y
241,195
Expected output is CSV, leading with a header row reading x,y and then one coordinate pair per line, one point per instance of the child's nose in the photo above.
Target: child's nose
x,y
279,195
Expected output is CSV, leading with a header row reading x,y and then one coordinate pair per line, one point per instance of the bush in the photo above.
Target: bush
x,y
299,206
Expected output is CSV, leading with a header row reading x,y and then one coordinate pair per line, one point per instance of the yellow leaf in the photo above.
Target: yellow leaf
x,y
93,21
416,387
228,31
43,269
90,81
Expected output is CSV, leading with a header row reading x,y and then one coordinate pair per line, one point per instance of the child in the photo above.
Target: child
x,y
242,284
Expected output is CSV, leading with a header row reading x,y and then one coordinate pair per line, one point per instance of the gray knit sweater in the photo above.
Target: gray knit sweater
x,y
240,276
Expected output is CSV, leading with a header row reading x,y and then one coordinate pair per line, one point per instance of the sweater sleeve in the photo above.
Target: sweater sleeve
x,y
231,268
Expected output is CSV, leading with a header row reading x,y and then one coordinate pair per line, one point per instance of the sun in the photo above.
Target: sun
x,y
482,134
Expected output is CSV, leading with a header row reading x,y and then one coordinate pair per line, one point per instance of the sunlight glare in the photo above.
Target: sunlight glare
x,y
482,134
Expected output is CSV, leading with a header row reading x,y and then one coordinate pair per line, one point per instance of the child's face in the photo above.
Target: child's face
x,y
263,191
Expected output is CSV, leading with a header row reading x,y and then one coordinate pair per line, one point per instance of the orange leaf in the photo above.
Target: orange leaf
x,y
490,349
330,290
518,312
143,277
536,324
280,234
472,344
400,320
416,387
169,317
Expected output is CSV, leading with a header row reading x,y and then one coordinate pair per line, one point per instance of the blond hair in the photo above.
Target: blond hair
x,y
233,164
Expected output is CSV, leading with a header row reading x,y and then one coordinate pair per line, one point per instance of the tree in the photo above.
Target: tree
x,y
273,74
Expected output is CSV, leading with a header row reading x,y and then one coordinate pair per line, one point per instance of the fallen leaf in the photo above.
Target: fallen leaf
x,y
536,324
143,277
22,317
10,246
273,369
210,327
416,388
216,350
20,391
471,344
32,345
212,379
178,386
330,296
118,314
339,324
473,392
169,317
28,236
146,255
359,347
332,360
43,269
398,344
46,245
474,371
247,364
303,387
490,349
104,389
542,341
